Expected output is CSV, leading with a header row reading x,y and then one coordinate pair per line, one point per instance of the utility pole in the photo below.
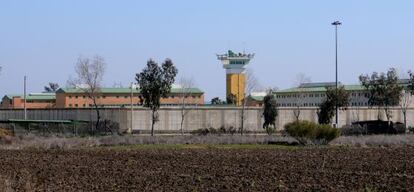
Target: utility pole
x,y
336,24
24,100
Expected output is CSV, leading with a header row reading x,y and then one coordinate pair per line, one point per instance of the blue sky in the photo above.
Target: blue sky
x,y
43,39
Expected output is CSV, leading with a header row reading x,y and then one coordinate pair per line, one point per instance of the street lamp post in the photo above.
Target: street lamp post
x,y
336,24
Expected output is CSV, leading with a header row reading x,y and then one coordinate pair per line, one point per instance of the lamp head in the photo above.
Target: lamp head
x,y
336,23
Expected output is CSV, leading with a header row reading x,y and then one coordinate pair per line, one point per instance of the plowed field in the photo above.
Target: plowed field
x,y
208,169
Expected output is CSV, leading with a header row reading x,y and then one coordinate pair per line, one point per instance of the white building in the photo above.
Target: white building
x,y
313,94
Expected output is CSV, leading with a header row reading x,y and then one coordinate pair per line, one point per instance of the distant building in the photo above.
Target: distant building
x,y
255,99
33,101
108,97
313,94
118,97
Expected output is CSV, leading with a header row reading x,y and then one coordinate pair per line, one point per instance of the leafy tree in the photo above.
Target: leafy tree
x,y
269,112
90,73
216,101
155,82
52,87
411,83
334,97
383,90
231,99
406,97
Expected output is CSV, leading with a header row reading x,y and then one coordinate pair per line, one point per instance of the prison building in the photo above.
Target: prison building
x,y
121,97
255,99
33,101
313,94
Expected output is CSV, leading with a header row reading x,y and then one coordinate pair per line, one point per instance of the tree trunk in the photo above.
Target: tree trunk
x,y
98,116
182,113
379,113
242,119
182,121
388,115
152,122
405,120
297,113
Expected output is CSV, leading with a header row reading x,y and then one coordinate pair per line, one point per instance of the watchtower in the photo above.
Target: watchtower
x,y
235,63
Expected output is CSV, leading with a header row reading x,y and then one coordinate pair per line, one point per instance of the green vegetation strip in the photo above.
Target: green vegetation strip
x,y
201,146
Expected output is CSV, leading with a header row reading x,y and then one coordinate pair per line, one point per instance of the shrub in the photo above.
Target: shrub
x,y
373,127
355,129
5,132
105,127
6,136
212,131
411,129
308,132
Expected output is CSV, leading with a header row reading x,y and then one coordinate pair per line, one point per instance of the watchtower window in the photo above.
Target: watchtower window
x,y
237,62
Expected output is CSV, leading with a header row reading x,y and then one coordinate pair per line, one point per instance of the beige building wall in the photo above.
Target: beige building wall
x,y
200,117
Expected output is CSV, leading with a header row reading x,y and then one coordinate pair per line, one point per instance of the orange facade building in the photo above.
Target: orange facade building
x,y
108,97
33,101
118,97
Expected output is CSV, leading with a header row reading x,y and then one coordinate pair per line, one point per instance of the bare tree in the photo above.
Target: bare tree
x,y
252,84
300,95
118,85
51,87
186,91
90,72
404,104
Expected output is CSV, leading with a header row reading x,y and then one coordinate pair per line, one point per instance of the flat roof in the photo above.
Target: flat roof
x,y
126,90
321,87
34,96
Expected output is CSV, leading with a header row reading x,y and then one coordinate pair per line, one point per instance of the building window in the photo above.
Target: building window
x,y
84,96
84,105
117,96
125,97
76,105
70,105
103,97
76,97
70,96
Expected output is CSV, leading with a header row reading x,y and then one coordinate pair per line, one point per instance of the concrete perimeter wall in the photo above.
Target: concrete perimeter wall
x,y
196,118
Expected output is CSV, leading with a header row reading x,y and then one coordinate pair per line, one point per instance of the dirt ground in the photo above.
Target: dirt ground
x,y
208,168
